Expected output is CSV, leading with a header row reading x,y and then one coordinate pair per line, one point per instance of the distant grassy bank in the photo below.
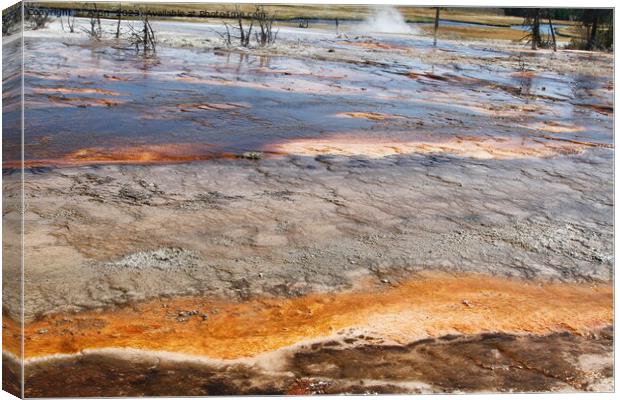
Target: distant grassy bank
x,y
481,16
492,23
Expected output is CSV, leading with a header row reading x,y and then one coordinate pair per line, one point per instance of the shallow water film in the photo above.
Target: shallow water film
x,y
338,206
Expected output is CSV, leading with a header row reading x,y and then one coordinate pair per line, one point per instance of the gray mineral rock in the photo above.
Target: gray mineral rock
x,y
161,259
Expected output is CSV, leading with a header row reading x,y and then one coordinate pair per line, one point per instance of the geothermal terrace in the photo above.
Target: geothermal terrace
x,y
358,213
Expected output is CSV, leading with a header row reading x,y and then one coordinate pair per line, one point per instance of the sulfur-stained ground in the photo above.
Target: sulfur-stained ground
x,y
345,214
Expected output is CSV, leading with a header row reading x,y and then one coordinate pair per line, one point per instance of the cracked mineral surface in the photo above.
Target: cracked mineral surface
x,y
333,214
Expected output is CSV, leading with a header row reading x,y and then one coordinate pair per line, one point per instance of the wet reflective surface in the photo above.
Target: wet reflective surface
x,y
227,102
327,199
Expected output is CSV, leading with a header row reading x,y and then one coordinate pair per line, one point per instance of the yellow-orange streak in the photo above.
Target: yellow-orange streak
x,y
146,154
63,90
465,146
556,127
429,305
373,116
59,101
524,74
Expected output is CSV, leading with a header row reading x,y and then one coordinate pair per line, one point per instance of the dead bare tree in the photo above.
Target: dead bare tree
x,y
144,38
38,20
242,31
266,36
97,17
534,20
244,35
93,32
436,26
70,23
118,25
11,19
226,36
239,32
551,29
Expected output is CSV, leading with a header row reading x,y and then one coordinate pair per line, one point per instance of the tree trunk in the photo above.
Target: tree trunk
x,y
555,47
118,26
241,32
146,34
593,29
536,29
98,18
436,26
